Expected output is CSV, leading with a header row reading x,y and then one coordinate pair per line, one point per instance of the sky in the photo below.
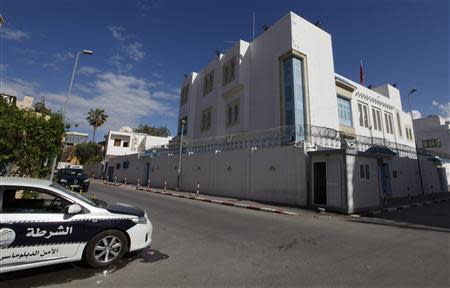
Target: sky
x,y
144,47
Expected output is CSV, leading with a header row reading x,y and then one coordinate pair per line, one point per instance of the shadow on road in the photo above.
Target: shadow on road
x,y
434,217
64,273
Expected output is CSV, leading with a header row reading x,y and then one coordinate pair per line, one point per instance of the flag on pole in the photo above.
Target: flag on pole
x,y
361,73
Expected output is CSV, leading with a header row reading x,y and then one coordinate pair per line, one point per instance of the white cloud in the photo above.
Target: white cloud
x,y
416,114
119,63
117,32
57,59
87,70
14,34
443,109
135,51
128,100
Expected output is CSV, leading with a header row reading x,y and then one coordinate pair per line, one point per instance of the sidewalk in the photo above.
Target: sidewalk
x,y
397,204
213,199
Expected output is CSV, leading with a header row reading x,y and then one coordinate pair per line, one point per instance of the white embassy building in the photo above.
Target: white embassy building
x,y
270,120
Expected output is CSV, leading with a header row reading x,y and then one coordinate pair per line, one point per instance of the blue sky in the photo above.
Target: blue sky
x,y
143,48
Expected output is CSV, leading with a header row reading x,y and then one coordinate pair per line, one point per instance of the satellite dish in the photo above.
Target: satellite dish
x,y
126,129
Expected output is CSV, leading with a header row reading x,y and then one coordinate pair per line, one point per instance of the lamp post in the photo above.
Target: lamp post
x,y
415,143
183,122
83,52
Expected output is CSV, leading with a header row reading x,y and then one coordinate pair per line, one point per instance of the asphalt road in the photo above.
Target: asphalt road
x,y
198,244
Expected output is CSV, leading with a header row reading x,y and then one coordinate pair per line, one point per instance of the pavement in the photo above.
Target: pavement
x,y
201,244
211,199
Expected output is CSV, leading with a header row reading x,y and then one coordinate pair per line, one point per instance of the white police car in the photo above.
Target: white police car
x,y
43,223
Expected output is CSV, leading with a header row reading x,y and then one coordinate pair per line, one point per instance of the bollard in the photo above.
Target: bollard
x,y
165,184
198,188
95,196
138,185
148,184
125,180
115,179
81,191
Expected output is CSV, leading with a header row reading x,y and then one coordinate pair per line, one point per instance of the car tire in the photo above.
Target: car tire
x,y
106,248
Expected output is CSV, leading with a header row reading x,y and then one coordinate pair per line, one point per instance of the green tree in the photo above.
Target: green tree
x,y
162,131
96,118
88,152
29,139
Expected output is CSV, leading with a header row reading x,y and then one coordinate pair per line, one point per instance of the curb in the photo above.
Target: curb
x,y
201,198
406,206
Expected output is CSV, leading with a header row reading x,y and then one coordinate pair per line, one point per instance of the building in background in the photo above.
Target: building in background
x,y
126,142
432,133
73,138
25,103
10,99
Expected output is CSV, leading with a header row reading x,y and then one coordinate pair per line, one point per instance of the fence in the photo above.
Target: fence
x,y
314,136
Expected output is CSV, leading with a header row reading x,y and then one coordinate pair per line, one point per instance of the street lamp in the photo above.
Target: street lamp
x,y
82,52
183,122
415,142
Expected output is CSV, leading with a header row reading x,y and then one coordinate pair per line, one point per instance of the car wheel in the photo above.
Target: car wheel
x,y
106,248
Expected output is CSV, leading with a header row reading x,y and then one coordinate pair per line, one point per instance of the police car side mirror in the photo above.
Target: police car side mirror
x,y
74,209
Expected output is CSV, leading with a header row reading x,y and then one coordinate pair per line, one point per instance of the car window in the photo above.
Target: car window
x,y
73,194
31,200
72,172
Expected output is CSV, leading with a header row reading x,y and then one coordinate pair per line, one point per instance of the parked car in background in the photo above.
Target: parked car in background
x,y
73,178
44,223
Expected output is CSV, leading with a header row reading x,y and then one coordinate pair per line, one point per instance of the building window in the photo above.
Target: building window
x,y
389,125
345,112
232,113
399,124
408,133
184,95
126,164
229,72
117,142
208,83
293,99
430,143
364,172
206,120
363,115
118,166
125,144
184,127
376,119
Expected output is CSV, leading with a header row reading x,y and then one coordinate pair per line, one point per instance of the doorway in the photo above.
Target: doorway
x,y
320,183
110,173
385,180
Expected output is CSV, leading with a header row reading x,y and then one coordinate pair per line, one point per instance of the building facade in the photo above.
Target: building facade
x,y
286,78
73,138
120,143
433,134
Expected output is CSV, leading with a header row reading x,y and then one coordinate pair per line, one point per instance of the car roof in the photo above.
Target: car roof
x,y
21,181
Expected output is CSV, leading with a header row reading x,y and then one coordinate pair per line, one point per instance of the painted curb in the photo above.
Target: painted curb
x,y
200,198
406,206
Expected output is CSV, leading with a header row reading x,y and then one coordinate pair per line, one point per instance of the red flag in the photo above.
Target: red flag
x,y
361,73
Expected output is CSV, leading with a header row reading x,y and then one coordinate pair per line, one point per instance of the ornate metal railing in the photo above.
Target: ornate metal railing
x,y
314,137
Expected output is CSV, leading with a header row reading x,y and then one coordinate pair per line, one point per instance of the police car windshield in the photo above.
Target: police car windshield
x,y
74,194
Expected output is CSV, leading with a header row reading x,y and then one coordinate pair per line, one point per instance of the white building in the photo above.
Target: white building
x,y
126,142
73,138
433,134
271,121
286,77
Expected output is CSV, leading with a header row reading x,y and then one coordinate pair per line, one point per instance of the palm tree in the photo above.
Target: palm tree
x,y
96,117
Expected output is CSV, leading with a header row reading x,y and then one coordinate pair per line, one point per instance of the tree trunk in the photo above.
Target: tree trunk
x,y
93,136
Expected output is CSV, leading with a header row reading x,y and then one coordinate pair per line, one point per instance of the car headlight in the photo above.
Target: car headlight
x,y
86,181
63,180
140,220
